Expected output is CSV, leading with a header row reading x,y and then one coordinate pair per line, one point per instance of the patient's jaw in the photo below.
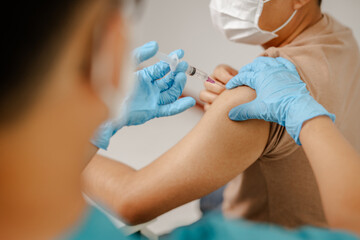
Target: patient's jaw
x,y
277,12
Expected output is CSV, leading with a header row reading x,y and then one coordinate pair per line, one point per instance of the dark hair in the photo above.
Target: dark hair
x,y
320,1
30,30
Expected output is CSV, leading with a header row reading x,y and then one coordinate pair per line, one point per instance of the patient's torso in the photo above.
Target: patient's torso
x,y
280,187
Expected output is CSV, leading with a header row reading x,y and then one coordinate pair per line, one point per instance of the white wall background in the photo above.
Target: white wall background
x,y
186,24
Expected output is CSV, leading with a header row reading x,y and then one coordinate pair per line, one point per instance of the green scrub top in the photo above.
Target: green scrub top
x,y
95,226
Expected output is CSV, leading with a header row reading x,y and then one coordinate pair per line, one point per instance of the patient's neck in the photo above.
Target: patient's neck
x,y
304,19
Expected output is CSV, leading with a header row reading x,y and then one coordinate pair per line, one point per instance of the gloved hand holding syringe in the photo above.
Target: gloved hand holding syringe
x,y
173,61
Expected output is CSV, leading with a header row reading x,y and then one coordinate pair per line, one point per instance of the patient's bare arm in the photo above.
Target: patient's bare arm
x,y
212,154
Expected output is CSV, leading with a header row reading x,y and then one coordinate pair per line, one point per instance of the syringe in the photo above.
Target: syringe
x,y
173,61
194,72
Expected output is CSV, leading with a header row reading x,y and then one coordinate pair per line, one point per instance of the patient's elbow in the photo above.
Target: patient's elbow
x,y
132,212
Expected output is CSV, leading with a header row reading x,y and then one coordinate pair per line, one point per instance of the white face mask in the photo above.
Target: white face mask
x,y
238,20
104,67
112,96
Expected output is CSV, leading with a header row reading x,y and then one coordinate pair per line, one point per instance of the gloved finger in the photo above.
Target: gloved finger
x,y
145,52
179,84
214,88
223,73
246,111
171,94
259,63
159,71
177,107
103,135
243,78
269,61
180,53
247,68
167,82
208,97
288,64
156,71
182,67
262,63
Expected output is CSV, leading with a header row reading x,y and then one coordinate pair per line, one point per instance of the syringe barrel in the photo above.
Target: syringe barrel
x,y
194,72
191,71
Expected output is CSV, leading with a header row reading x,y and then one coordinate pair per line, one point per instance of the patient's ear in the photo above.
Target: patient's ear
x,y
298,4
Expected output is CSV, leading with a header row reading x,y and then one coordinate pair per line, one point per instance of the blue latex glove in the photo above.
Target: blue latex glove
x,y
157,91
282,96
156,95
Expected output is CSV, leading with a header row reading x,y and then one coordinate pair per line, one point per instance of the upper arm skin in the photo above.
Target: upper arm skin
x,y
212,154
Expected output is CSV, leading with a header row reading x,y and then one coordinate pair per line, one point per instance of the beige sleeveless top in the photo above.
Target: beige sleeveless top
x,y
280,187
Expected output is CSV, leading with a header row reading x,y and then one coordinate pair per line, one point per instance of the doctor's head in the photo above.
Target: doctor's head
x,y
47,92
49,106
264,22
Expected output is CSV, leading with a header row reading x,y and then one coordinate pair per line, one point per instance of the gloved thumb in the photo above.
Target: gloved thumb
x,y
246,111
177,107
233,83
243,78
145,52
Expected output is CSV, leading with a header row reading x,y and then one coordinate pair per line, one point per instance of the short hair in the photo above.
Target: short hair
x,y
31,34
320,1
